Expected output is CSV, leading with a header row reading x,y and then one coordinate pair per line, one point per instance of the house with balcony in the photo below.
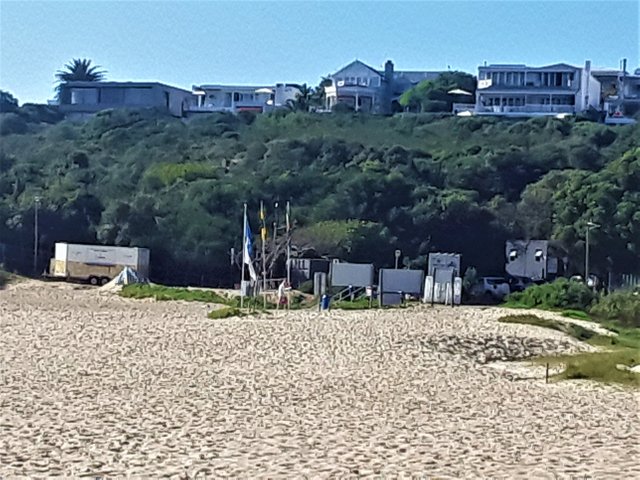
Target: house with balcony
x,y
81,99
520,90
620,93
366,89
238,98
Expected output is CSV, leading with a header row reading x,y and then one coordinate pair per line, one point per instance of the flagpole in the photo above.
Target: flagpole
x,y
263,236
275,233
288,213
244,241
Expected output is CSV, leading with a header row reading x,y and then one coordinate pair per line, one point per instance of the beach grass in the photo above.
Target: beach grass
x,y
576,331
7,277
162,293
602,365
225,312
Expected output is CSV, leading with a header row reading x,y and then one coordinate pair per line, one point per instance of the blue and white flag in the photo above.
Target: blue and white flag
x,y
248,250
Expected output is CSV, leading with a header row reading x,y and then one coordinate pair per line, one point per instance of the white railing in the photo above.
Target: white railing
x,y
528,109
463,107
208,108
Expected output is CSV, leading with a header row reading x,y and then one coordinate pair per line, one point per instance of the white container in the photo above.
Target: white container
x,y
97,261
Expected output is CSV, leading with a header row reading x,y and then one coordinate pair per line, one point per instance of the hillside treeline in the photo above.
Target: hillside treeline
x,y
360,187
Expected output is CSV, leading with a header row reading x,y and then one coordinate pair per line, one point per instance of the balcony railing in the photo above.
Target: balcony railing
x,y
233,108
527,109
463,107
208,108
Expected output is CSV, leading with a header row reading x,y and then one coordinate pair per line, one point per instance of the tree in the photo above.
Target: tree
x,y
8,103
303,99
78,69
433,96
12,123
319,94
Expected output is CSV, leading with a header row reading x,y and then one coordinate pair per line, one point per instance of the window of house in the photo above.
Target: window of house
x,y
558,80
84,96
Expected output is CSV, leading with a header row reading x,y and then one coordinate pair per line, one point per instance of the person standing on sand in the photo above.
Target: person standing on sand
x,y
283,289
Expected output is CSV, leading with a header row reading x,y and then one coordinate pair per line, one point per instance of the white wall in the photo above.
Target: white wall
x,y
589,93
284,93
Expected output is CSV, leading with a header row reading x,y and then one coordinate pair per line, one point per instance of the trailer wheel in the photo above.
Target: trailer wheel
x,y
93,280
104,280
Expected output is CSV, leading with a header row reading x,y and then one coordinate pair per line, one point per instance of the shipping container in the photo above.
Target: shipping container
x,y
96,264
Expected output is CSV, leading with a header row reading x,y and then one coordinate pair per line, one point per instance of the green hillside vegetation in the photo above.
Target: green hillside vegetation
x,y
360,186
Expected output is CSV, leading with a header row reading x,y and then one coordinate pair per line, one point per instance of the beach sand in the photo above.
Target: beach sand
x,y
95,385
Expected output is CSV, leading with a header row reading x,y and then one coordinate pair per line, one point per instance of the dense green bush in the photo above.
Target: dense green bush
x,y
560,294
12,123
342,108
4,278
621,307
306,287
168,173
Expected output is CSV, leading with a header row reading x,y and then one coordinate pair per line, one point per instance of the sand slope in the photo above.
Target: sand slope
x,y
96,385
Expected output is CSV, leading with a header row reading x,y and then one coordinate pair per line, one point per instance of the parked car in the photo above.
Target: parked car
x,y
519,284
491,288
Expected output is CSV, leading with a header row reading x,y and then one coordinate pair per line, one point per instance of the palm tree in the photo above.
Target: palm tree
x,y
78,69
319,94
303,99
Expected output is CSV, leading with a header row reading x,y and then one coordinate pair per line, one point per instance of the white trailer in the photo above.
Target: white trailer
x,y
96,264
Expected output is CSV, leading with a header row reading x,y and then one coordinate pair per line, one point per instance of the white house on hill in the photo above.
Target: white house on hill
x,y
237,98
369,90
519,90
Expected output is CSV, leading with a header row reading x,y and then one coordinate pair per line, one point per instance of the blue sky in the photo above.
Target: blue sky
x,y
185,43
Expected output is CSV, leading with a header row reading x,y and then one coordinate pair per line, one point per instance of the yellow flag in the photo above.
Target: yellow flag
x,y
263,233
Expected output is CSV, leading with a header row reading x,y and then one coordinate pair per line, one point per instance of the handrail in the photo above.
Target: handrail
x,y
349,291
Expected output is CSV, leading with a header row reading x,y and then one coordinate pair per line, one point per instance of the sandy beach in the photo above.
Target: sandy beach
x,y
94,385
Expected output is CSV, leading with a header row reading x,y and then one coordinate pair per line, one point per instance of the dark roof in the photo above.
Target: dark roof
x,y
82,83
